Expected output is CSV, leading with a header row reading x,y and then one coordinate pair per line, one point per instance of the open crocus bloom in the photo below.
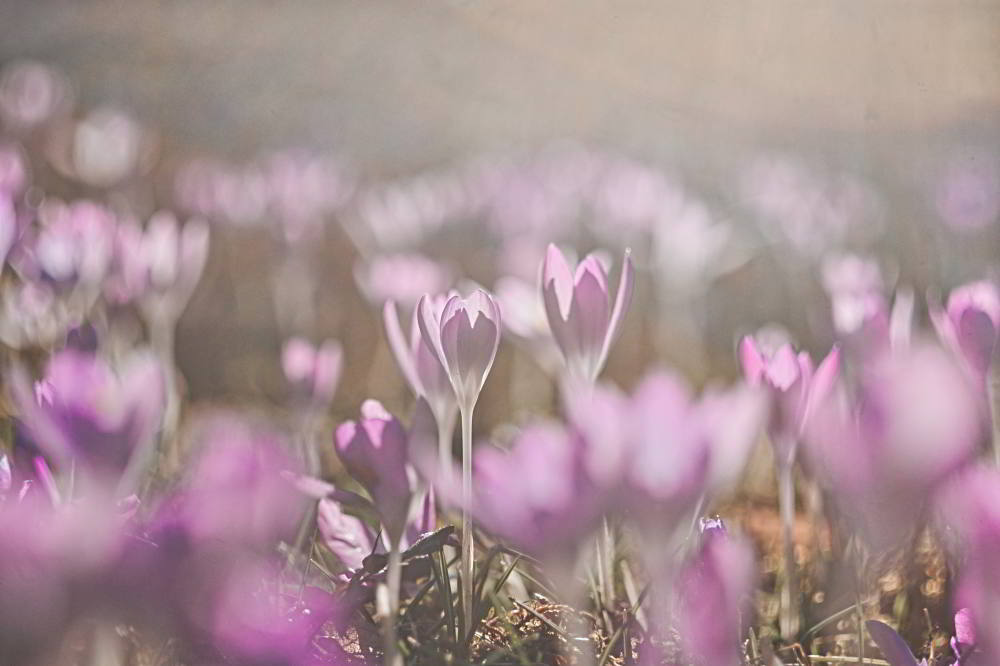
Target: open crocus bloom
x,y
970,325
465,339
581,316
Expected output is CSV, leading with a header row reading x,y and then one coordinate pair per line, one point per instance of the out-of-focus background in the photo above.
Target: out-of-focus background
x,y
470,131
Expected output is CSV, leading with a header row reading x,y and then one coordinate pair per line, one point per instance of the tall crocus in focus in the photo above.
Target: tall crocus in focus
x,y
581,316
796,389
86,411
424,371
374,451
464,338
970,327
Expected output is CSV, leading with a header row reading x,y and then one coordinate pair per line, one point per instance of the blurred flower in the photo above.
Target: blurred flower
x,y
464,339
13,170
30,94
714,598
797,389
128,277
402,278
313,372
812,212
107,146
969,515
579,309
524,317
175,258
86,410
73,245
967,195
347,537
304,188
538,495
856,291
8,227
970,325
915,422
690,246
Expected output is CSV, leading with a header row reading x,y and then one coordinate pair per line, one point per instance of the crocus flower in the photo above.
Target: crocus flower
x,y
915,423
314,372
175,258
74,244
417,360
374,451
970,324
968,516
581,316
796,387
86,410
713,599
464,338
402,278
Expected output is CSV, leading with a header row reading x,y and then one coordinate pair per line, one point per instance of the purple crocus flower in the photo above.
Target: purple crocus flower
x,y
970,325
86,410
713,599
581,316
374,451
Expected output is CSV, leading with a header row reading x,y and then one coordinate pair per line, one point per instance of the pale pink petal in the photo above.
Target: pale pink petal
x,y
556,272
400,349
626,285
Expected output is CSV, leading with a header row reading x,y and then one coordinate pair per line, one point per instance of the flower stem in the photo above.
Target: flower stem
x,y
468,548
446,430
789,617
393,578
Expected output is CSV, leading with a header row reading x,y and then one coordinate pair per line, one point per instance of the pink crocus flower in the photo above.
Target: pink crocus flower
x,y
914,423
796,386
714,595
581,316
175,257
418,361
970,324
374,450
314,371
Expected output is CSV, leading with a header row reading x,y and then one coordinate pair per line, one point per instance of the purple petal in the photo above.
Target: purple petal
x,y
892,645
